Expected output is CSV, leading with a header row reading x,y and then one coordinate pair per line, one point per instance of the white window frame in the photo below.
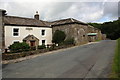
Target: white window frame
x,y
42,40
15,41
13,31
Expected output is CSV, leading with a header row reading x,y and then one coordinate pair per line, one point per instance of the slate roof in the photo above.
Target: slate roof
x,y
20,21
30,36
66,21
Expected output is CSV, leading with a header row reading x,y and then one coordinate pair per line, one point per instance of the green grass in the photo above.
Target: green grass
x,y
116,62
97,40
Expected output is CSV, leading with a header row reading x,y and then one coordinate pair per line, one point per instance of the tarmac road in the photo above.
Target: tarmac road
x,y
87,61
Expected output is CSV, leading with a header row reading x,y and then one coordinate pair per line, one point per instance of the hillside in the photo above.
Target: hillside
x,y
111,29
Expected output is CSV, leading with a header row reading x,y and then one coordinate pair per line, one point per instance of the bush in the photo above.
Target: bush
x,y
41,47
33,48
52,47
59,36
69,41
19,47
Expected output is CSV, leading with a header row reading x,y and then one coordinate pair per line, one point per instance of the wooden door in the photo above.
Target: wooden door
x,y
32,43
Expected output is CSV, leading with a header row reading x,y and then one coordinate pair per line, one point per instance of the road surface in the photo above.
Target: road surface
x,y
88,61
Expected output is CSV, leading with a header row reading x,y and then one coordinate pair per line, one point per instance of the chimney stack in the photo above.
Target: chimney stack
x,y
3,12
36,16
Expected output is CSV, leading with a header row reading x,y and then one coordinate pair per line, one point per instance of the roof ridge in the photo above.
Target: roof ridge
x,y
19,17
44,22
24,21
72,20
61,20
67,21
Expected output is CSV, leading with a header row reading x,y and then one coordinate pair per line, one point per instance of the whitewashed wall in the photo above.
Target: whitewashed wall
x,y
9,38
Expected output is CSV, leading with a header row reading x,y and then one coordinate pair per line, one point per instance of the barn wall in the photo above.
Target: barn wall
x,y
76,31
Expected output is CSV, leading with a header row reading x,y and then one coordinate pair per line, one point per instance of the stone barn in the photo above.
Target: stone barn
x,y
72,28
81,32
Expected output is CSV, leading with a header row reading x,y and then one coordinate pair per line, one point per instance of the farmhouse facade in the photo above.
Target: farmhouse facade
x,y
37,32
32,31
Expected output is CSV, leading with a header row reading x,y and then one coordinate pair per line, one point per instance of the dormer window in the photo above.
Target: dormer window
x,y
15,31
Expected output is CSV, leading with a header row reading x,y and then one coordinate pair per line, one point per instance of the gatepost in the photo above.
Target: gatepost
x,y
2,43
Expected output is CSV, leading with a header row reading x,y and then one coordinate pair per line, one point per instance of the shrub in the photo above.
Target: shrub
x,y
52,47
69,41
33,47
19,47
59,36
41,47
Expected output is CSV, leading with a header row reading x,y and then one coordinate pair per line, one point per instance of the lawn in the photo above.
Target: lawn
x,y
116,62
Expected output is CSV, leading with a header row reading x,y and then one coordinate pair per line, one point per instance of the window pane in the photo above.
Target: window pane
x,y
43,32
43,42
15,34
15,30
16,41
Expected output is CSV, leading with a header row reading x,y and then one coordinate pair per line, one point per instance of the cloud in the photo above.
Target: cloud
x,y
111,10
50,11
119,9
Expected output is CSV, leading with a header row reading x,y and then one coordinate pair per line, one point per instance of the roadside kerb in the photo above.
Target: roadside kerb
x,y
36,55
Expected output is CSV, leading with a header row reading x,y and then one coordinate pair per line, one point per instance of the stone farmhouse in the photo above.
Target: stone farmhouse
x,y
37,32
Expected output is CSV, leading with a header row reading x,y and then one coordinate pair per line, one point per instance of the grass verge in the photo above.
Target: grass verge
x,y
116,62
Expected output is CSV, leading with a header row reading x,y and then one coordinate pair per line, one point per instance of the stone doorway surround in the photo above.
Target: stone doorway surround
x,y
31,40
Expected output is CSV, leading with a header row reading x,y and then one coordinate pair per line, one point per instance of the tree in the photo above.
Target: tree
x,y
111,29
69,41
59,36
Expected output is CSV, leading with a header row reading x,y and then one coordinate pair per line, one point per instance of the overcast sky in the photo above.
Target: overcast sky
x,y
50,10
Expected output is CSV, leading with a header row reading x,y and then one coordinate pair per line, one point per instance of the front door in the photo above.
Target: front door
x,y
32,43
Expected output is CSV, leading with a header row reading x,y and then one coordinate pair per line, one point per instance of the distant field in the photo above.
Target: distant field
x,y
116,62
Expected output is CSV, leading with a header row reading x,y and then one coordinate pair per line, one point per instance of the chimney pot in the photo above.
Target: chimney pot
x,y
3,12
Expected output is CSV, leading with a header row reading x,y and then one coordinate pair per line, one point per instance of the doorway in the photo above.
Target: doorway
x,y
32,43
31,40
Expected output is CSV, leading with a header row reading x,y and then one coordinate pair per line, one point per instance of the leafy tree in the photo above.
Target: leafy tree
x,y
69,41
111,29
59,36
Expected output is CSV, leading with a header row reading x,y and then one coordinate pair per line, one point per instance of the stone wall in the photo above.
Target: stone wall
x,y
104,36
76,31
79,32
2,41
94,30
1,30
